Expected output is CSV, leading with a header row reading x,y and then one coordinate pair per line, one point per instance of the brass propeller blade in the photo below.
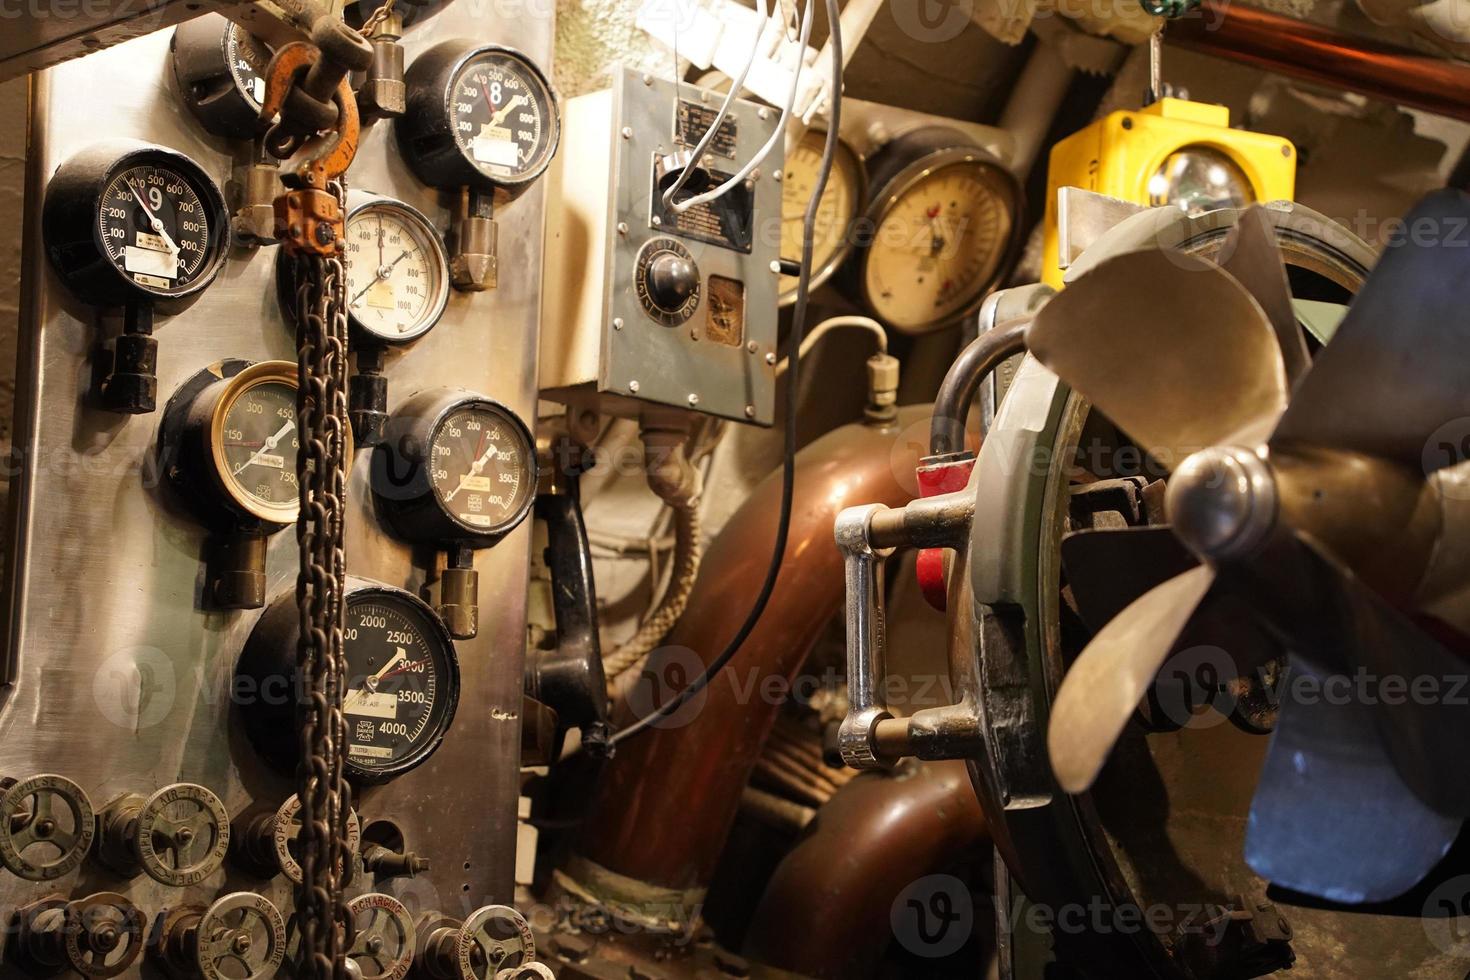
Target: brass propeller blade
x,y
1331,816
1108,679
1214,364
1251,256
1396,369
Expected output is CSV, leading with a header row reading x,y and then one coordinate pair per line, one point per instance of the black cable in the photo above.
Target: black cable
x,y
957,392
788,468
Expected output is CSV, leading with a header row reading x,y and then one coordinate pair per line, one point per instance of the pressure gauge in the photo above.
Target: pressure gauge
x,y
397,272
128,223
220,68
454,467
402,682
944,226
841,203
229,443
478,115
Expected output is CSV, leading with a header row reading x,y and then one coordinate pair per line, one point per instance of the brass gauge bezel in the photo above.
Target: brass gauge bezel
x,y
262,372
898,175
849,160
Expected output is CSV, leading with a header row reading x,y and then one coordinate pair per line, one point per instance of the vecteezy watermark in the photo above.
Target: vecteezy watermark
x,y
667,672
932,21
135,687
934,916
1446,917
1448,446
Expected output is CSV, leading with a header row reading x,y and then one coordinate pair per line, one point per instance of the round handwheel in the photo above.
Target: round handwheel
x,y
492,939
240,937
527,971
182,834
288,828
46,826
383,948
104,934
39,928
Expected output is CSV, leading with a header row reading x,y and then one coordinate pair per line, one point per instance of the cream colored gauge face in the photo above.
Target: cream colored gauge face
x,y
397,279
938,244
841,202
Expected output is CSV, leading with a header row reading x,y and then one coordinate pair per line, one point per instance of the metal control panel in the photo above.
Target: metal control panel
x,y
122,666
644,303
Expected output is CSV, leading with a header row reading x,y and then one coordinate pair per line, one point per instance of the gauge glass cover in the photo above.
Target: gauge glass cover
x,y
939,244
503,116
397,280
155,228
256,442
402,681
481,467
839,206
249,58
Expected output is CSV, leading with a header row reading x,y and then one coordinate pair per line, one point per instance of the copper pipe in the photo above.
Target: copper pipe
x,y
1329,57
669,797
825,912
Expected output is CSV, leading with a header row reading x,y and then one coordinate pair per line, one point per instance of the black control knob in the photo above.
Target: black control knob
x,y
671,280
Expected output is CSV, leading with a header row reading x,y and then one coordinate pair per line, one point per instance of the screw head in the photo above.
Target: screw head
x,y
622,227
776,175
752,347
770,357
633,386
693,398
627,132
657,221
776,267
750,411
763,113
647,79
617,323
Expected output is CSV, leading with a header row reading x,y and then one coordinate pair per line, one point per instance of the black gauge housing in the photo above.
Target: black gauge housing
x,y
219,67
190,456
72,224
402,475
268,694
426,131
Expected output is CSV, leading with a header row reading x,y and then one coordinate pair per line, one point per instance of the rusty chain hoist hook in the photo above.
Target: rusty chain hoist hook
x,y
314,113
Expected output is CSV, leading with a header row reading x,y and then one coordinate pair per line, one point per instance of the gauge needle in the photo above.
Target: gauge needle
x,y
475,469
269,445
382,273
496,117
404,669
153,221
370,683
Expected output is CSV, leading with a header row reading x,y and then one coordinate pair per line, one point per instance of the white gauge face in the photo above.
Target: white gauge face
x,y
839,205
397,284
939,245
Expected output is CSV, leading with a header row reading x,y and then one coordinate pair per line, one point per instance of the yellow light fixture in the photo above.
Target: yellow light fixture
x,y
1173,152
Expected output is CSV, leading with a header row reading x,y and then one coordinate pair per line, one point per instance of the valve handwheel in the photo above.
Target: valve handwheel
x,y
288,827
240,937
104,933
492,939
385,939
182,835
46,826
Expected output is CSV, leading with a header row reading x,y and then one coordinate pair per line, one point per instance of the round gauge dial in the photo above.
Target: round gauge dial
x,y
841,202
141,225
397,274
248,59
503,115
453,467
402,682
943,228
481,466
255,443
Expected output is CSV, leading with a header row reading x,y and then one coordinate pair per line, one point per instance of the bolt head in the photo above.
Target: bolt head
x,y
1222,502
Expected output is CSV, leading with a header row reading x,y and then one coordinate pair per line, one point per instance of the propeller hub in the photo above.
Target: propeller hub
x,y
1222,502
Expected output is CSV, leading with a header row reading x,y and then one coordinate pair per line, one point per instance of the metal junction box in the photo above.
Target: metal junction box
x,y
613,329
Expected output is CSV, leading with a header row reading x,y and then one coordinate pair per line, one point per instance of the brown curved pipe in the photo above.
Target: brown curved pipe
x,y
825,912
1326,56
669,797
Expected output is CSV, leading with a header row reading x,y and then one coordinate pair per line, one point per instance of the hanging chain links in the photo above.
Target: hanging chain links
x,y
321,469
378,16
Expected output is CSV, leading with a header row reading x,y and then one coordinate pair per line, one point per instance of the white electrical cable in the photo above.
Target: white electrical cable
x,y
764,14
778,135
835,323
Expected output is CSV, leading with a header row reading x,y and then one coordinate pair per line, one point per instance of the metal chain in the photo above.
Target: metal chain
x,y
321,471
378,16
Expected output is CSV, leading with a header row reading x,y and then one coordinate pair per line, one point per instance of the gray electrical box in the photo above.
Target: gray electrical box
x,y
640,303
